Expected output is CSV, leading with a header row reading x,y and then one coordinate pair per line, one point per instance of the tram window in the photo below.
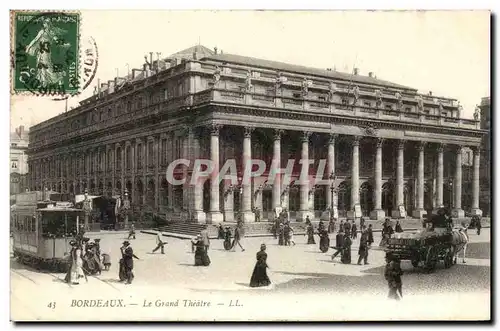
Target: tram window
x,y
58,223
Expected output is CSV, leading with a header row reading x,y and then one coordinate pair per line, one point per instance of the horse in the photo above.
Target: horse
x,y
460,239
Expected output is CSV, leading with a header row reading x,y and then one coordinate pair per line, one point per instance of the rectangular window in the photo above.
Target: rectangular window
x,y
165,94
296,95
151,156
179,90
139,156
408,109
321,97
367,104
388,107
178,151
164,151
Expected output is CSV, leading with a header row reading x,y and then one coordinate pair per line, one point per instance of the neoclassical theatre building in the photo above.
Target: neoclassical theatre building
x,y
390,150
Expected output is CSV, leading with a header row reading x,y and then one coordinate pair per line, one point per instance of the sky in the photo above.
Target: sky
x,y
446,52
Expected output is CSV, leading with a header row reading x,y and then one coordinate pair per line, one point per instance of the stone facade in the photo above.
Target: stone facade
x,y
18,160
390,149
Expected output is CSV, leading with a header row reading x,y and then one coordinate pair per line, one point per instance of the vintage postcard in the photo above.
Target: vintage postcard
x,y
250,165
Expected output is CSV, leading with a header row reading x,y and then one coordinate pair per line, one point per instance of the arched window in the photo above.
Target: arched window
x,y
366,198
344,198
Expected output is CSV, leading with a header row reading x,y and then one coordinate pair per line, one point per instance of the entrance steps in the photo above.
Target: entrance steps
x,y
187,230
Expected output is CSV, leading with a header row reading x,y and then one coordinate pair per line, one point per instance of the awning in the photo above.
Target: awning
x,y
81,197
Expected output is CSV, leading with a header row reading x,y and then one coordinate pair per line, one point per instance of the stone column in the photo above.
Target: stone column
x,y
399,179
457,210
214,216
475,183
156,144
354,177
304,210
378,213
228,206
276,171
419,212
246,200
330,169
198,214
439,177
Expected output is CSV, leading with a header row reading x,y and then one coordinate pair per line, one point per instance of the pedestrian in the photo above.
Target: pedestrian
x,y
370,235
387,232
310,234
281,234
331,225
308,221
361,223
220,231
339,243
393,274
128,261
205,238
478,225
75,270
286,234
354,230
347,227
292,241
227,238
346,249
160,244
324,241
201,254
131,233
363,248
321,226
238,234
398,227
259,276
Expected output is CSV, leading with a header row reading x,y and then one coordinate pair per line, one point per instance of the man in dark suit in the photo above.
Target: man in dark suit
x,y
238,234
128,261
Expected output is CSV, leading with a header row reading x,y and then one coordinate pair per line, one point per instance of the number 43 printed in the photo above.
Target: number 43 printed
x,y
52,305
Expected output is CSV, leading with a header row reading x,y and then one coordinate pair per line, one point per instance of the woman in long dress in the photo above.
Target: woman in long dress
x,y
200,254
76,271
259,276
310,234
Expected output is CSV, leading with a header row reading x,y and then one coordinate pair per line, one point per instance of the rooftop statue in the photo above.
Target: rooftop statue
x,y
248,81
420,102
216,75
477,112
332,90
399,97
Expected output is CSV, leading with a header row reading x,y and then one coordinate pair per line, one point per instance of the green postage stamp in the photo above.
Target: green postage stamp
x,y
45,52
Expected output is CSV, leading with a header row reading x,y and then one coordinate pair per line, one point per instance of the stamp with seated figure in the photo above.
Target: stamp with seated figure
x,y
46,53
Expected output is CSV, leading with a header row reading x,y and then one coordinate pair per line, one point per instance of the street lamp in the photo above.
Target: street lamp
x,y
126,207
86,209
333,190
450,184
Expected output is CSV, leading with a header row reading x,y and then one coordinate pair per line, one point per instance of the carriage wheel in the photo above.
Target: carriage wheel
x,y
431,259
415,262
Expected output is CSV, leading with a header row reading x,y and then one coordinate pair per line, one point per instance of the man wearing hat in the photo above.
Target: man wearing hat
x,y
128,261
